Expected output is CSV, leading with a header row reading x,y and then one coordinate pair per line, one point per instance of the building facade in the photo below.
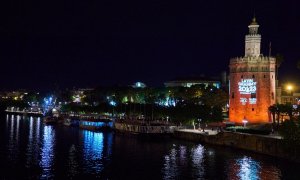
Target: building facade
x,y
288,93
252,82
189,82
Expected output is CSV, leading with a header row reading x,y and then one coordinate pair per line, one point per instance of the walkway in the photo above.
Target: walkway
x,y
200,131
215,132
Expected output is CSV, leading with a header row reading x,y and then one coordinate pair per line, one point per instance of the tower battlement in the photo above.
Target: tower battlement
x,y
252,59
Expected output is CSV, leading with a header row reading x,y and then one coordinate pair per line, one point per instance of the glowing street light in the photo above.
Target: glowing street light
x,y
244,122
289,87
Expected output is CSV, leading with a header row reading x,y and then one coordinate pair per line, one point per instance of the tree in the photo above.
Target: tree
x,y
214,97
288,110
272,110
290,131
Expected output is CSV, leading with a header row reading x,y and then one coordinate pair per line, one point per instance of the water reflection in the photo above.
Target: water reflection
x,y
12,141
247,168
108,145
182,155
72,163
36,151
197,154
92,151
177,161
33,144
29,145
18,128
170,166
47,154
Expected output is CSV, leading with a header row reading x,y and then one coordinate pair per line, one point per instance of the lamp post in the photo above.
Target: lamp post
x,y
245,122
199,120
289,89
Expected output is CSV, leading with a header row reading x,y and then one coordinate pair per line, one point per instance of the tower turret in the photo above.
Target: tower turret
x,y
252,40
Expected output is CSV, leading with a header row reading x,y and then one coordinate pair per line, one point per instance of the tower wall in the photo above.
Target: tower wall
x,y
252,89
252,45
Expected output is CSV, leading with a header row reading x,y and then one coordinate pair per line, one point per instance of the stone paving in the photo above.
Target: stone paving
x,y
200,131
214,132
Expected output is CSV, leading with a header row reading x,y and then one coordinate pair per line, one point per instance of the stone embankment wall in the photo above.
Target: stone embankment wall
x,y
256,143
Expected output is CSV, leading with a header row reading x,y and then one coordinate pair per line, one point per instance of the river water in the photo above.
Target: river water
x,y
31,150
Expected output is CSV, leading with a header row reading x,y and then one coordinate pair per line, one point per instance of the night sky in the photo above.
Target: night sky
x,y
87,43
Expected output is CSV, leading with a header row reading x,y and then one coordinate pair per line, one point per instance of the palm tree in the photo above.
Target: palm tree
x,y
279,111
272,110
289,110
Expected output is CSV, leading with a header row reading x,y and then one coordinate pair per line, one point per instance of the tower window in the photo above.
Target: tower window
x,y
232,95
252,109
241,76
264,76
253,76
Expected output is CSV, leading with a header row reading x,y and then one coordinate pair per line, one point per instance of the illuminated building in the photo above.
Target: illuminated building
x,y
288,93
79,94
188,82
139,85
15,95
252,82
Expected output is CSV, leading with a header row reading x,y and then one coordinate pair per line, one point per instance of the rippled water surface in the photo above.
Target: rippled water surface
x,y
31,150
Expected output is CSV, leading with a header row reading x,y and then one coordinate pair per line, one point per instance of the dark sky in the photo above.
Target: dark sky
x,y
86,43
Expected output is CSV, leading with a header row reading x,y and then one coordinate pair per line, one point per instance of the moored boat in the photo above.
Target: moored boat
x,y
53,120
50,120
71,122
96,125
141,128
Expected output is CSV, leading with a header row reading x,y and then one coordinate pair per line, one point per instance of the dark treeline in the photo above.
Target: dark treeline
x,y
177,104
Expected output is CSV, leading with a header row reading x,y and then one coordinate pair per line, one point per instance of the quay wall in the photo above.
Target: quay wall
x,y
255,143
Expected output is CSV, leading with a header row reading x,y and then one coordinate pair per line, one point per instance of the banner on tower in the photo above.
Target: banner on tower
x,y
247,88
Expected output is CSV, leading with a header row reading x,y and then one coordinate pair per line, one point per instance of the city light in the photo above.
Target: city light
x,y
289,87
244,122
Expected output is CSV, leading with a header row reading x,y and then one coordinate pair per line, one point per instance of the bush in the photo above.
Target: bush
x,y
290,131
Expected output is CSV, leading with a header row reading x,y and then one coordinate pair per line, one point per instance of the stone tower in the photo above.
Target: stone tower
x,y
252,82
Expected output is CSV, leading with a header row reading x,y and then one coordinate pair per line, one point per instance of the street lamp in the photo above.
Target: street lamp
x,y
289,88
199,120
244,122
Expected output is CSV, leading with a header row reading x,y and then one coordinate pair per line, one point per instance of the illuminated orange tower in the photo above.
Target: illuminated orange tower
x,y
252,82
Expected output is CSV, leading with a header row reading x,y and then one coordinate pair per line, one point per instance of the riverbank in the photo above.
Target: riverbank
x,y
268,145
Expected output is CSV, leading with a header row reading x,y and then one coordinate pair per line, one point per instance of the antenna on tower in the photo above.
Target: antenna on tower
x,y
270,48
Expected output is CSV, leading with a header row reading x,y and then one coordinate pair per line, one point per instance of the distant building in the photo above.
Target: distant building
x,y
188,82
139,85
288,93
252,82
15,95
79,94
